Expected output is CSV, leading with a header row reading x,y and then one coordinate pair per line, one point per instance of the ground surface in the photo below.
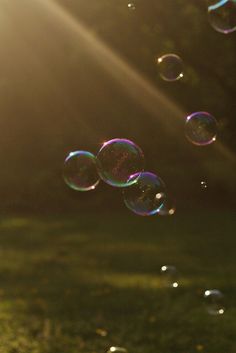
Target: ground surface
x,y
82,284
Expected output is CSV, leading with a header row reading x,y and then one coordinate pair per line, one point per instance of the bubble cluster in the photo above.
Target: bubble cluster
x,y
201,128
146,195
214,302
222,16
80,171
169,276
170,67
118,159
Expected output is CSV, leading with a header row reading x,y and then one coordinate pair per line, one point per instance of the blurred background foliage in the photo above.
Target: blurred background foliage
x,y
55,98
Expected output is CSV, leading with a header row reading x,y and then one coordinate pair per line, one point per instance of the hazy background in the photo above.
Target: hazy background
x,y
59,93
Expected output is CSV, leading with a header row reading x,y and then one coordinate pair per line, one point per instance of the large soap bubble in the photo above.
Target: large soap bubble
x,y
118,159
170,67
80,171
146,195
222,16
201,128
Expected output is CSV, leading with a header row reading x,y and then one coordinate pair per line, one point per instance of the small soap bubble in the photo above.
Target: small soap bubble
x,y
146,195
201,128
214,302
101,332
118,159
170,276
168,207
222,16
80,171
131,6
170,67
204,185
117,350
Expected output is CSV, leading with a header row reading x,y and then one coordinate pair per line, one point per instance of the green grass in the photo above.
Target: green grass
x,y
84,283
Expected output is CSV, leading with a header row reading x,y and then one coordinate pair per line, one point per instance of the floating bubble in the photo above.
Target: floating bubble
x,y
146,195
170,276
118,159
170,67
222,16
204,185
80,171
167,208
131,6
201,128
117,350
214,302
101,332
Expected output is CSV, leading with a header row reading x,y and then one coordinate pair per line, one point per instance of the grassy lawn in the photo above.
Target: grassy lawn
x,y
84,283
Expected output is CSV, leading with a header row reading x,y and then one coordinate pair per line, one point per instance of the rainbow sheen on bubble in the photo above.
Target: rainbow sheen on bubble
x,y
118,159
214,300
169,276
146,195
80,171
201,128
170,67
222,16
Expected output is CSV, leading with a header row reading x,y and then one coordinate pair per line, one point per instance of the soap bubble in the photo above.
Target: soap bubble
x,y
146,195
204,185
170,67
168,207
170,276
222,16
214,302
131,6
118,159
201,128
117,350
80,171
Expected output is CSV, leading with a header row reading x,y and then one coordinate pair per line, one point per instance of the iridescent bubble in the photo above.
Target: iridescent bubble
x,y
201,128
168,207
118,159
80,171
169,276
222,16
131,6
117,350
204,185
170,67
146,195
214,300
